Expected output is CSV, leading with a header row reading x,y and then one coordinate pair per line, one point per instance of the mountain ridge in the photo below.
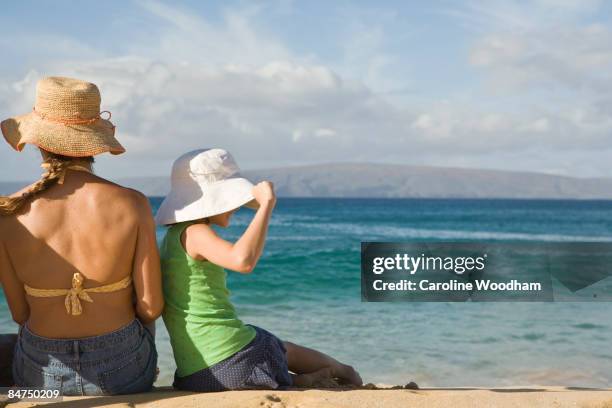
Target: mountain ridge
x,y
378,180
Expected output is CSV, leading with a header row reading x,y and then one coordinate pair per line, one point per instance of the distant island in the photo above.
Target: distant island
x,y
398,181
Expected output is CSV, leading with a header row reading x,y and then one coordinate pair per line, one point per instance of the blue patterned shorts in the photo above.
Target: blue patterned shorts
x,y
261,364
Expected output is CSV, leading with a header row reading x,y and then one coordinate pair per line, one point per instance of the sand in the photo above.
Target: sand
x,y
362,398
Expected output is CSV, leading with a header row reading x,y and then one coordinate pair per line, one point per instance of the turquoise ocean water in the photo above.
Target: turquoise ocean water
x,y
306,288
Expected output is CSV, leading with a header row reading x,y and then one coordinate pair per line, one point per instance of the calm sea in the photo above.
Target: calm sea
x,y
306,288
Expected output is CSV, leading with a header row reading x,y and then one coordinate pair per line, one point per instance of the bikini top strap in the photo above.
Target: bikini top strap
x,y
72,166
77,293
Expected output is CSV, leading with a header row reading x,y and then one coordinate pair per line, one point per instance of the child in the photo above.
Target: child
x,y
213,349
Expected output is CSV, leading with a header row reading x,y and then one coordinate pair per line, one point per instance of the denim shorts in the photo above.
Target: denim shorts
x,y
261,364
121,362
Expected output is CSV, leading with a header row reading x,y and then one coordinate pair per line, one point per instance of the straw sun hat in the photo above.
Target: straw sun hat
x,y
204,183
66,120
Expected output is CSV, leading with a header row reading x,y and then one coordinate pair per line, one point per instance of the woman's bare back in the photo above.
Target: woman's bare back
x,y
85,225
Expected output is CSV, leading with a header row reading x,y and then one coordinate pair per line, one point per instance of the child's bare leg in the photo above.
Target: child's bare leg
x,y
303,360
320,378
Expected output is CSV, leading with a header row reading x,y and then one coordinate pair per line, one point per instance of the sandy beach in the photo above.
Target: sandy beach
x,y
361,398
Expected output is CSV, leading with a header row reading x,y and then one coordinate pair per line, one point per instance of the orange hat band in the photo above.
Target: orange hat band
x,y
76,121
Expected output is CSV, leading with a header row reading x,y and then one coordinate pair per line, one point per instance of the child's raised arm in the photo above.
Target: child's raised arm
x,y
201,242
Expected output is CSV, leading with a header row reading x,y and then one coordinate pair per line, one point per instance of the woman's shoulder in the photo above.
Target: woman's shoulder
x,y
109,191
103,204
127,192
7,220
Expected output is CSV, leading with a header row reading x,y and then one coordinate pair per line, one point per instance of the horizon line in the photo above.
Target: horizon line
x,y
429,166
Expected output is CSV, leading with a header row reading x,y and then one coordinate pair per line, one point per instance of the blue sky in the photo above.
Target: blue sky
x,y
517,85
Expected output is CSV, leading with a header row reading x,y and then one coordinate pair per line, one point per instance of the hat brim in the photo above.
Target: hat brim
x,y
75,140
193,203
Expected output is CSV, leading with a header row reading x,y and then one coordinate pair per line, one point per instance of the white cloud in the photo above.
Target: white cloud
x,y
541,125
574,58
322,132
234,84
190,38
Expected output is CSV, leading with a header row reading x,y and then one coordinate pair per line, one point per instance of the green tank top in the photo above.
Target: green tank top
x,y
198,314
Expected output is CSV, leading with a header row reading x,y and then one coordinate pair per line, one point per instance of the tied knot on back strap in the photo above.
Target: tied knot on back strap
x,y
77,293
72,302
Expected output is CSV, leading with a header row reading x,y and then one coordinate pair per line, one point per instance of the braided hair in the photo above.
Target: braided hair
x,y
57,164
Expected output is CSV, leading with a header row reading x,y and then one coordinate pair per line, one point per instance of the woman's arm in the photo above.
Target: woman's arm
x,y
201,241
146,268
13,288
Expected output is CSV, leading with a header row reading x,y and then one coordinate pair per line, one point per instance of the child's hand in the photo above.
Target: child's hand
x,y
264,193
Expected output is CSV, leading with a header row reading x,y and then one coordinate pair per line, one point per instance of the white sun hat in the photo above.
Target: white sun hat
x,y
204,182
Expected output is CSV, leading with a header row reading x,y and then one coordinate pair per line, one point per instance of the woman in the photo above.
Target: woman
x,y
78,256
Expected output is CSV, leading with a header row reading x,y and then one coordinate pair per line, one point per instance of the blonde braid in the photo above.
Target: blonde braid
x,y
57,166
